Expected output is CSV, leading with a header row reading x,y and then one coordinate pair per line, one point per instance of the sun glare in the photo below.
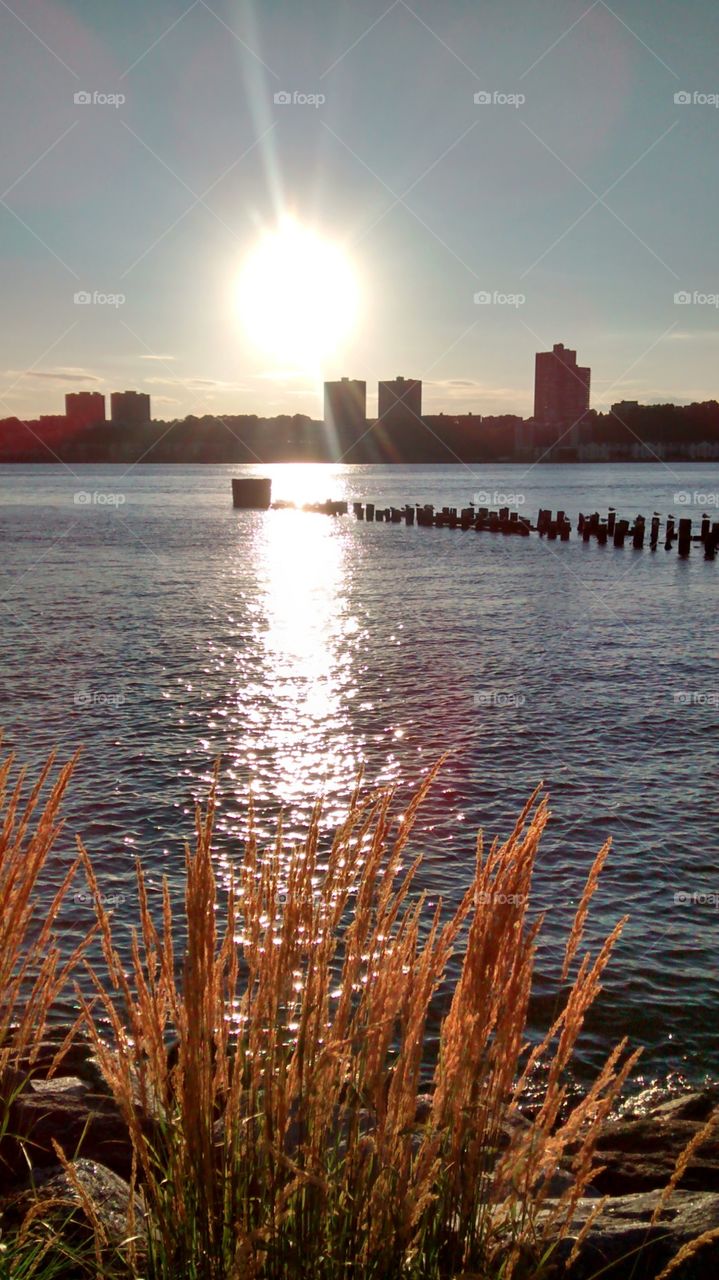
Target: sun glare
x,y
298,296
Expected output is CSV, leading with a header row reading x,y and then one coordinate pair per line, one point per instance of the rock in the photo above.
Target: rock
x,y
82,1122
658,1100
623,1246
641,1151
690,1106
39,1058
560,1182
63,1215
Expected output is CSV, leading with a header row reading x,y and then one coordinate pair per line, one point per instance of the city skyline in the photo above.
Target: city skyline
x,y
561,398
563,428
148,161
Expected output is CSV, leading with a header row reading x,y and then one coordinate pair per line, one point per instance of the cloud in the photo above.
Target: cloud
x,y
192,384
698,335
457,388
158,357
55,375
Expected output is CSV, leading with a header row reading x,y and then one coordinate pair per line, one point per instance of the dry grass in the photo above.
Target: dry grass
x,y
31,972
292,1144
291,1141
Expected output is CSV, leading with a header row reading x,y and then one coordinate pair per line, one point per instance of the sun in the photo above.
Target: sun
x,y
297,296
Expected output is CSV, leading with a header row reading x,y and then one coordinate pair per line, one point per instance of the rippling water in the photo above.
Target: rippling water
x,y
169,630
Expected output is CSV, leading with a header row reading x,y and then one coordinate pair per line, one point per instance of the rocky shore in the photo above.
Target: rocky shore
x,y
636,1157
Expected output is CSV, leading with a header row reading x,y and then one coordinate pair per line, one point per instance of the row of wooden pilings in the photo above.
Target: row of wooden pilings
x,y
620,531
553,527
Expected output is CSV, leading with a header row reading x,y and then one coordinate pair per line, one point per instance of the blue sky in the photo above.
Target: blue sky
x,y
593,200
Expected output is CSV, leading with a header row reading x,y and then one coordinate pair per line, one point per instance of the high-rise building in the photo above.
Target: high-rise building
x,y
346,411
130,408
561,387
399,403
84,408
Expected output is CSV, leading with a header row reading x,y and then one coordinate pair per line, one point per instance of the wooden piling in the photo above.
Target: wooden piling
x,y
621,530
684,545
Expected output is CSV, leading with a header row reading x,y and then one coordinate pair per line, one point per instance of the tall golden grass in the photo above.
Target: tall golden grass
x,y
291,1138
32,975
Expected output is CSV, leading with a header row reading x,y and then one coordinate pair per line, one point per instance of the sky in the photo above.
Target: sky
x,y
465,182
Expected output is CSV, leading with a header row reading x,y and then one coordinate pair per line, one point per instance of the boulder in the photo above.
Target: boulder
x,y
622,1245
640,1150
57,1210
68,1110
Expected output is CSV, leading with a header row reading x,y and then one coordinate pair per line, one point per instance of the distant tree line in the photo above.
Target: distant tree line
x,y
634,431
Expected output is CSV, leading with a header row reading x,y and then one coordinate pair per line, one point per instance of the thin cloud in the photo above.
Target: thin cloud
x,y
55,375
193,384
681,335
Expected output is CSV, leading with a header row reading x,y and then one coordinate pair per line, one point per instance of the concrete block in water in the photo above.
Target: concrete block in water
x,y
252,493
